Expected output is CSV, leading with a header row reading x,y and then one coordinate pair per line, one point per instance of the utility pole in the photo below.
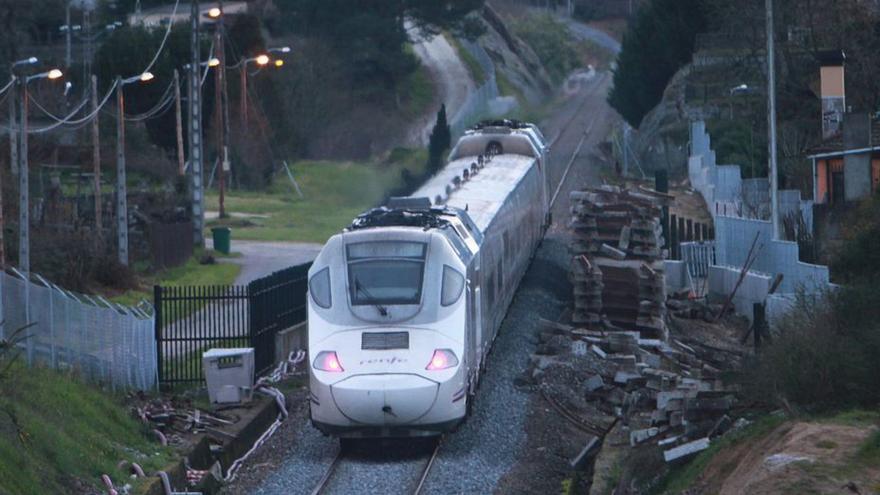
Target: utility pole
x,y
96,162
224,105
67,36
243,99
121,193
178,119
13,126
195,128
24,240
771,111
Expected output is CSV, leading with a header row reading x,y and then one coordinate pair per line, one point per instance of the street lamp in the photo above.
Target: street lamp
x,y
121,194
13,139
215,13
279,49
279,63
24,214
260,60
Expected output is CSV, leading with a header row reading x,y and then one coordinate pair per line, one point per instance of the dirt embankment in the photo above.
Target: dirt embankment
x,y
796,457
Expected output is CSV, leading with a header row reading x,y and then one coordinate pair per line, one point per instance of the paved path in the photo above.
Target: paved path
x,y
597,36
263,258
452,79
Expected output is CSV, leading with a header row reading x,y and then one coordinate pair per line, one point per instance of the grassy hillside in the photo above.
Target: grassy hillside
x,y
333,194
779,455
59,436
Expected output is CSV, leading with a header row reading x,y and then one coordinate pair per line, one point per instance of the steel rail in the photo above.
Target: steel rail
x,y
328,475
427,469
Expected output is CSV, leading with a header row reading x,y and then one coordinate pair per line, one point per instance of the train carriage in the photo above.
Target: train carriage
x,y
405,303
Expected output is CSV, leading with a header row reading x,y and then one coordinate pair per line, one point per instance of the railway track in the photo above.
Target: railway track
x,y
417,481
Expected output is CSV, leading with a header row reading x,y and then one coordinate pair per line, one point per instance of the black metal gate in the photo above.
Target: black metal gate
x,y
192,319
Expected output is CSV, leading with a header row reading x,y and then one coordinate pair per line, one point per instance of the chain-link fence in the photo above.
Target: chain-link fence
x,y
100,341
477,104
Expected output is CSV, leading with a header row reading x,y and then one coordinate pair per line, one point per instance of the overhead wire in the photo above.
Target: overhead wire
x,y
164,39
70,121
8,85
167,96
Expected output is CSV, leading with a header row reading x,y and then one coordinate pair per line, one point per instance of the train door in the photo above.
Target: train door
x,y
473,337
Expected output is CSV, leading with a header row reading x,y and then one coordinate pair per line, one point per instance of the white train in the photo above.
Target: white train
x,y
405,303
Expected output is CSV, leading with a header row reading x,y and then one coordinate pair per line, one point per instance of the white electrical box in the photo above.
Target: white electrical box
x,y
229,374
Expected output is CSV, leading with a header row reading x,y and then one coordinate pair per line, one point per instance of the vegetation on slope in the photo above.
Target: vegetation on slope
x,y
59,436
552,43
659,42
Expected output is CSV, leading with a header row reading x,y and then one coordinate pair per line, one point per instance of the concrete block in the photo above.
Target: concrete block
x,y
594,383
639,436
686,450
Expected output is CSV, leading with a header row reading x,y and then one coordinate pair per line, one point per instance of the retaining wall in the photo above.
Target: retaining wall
x,y
740,209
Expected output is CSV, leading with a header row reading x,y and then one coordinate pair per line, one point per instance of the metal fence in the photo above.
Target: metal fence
x,y
477,104
193,319
100,341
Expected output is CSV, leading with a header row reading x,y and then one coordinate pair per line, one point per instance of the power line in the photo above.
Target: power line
x,y
164,39
69,119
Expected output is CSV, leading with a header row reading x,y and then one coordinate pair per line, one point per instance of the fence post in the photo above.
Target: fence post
x,y
661,184
759,322
157,309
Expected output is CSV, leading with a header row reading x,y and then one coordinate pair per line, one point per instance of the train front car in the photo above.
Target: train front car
x,y
387,324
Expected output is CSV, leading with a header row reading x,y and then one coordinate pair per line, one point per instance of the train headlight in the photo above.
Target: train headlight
x,y
319,286
327,361
453,283
441,360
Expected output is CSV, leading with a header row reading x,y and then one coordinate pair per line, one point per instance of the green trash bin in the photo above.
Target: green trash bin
x,y
222,239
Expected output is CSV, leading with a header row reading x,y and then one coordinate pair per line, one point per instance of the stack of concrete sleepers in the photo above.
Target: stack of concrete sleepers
x,y
617,266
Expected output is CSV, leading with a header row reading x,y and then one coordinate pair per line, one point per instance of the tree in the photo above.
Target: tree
x,y
439,141
129,50
371,35
660,41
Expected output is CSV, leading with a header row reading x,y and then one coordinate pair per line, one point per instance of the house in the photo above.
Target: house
x,y
846,164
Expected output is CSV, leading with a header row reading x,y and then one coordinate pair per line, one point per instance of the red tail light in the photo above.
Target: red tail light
x,y
327,361
441,360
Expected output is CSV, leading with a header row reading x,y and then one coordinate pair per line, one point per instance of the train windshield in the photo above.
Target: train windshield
x,y
386,272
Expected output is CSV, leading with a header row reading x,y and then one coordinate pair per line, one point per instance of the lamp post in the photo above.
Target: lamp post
x,y
24,259
742,88
13,143
121,193
260,60
178,110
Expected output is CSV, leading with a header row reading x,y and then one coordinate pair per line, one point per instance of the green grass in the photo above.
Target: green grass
x,y
333,194
869,451
478,74
190,273
66,431
683,476
417,92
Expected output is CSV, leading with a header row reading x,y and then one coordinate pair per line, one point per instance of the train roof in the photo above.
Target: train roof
x,y
483,194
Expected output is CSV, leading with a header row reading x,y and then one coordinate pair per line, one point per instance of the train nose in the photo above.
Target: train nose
x,y
395,399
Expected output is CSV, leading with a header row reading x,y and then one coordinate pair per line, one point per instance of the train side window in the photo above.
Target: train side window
x,y
319,287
